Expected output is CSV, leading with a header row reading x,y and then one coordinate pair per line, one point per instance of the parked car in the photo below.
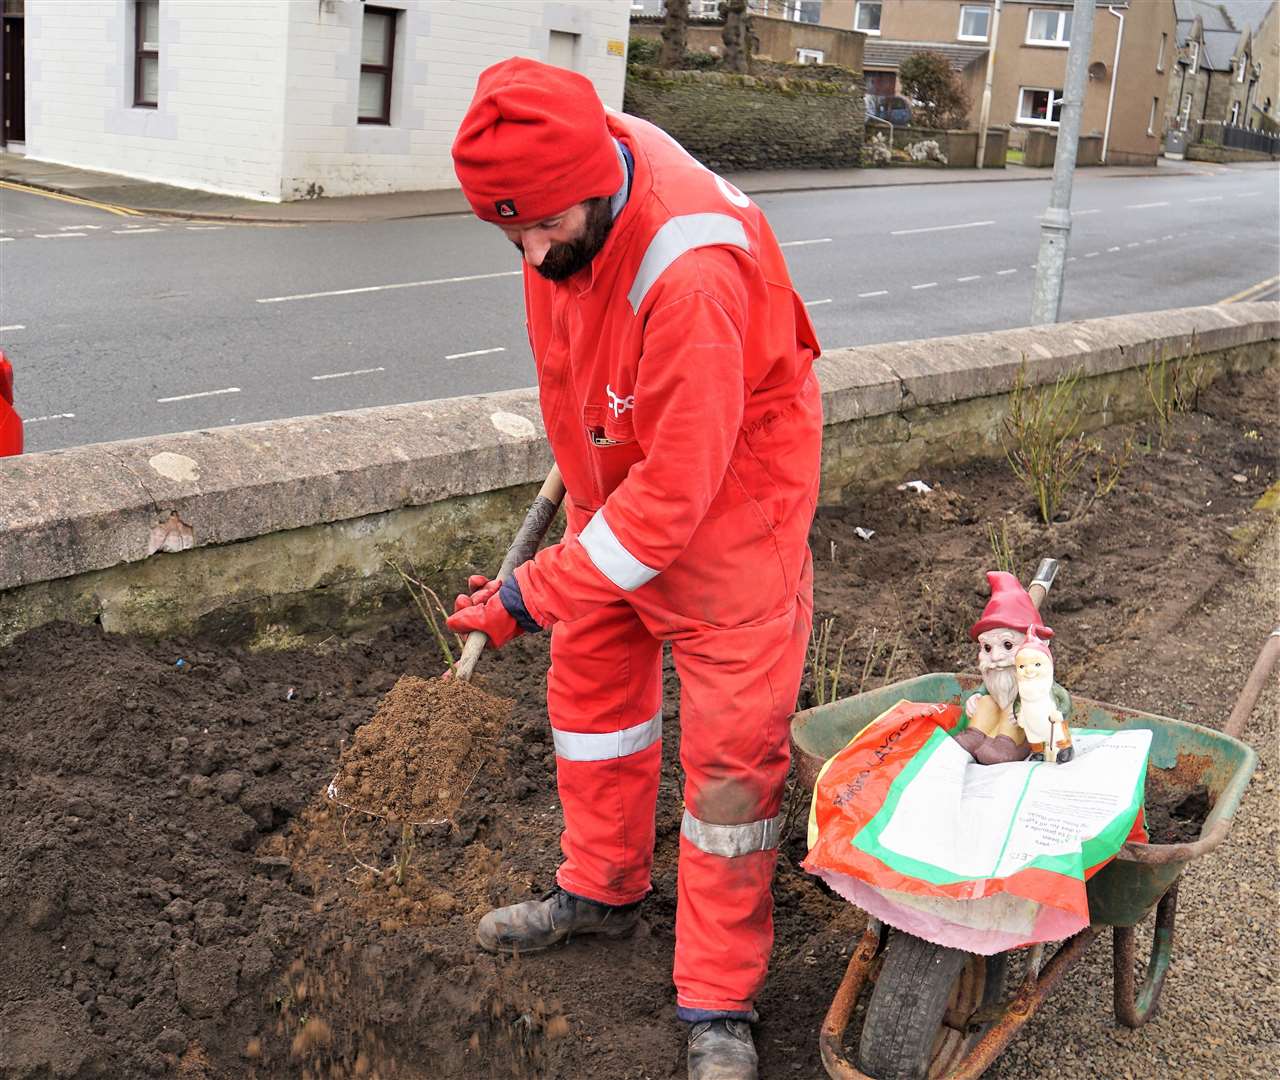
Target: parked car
x,y
10,421
892,107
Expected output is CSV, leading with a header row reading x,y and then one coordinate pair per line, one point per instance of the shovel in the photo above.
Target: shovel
x,y
527,538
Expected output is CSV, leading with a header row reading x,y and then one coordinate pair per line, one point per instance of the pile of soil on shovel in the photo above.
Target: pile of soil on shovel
x,y
415,759
178,897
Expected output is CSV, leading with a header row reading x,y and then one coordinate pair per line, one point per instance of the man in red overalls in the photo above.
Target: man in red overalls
x,y
675,376
10,422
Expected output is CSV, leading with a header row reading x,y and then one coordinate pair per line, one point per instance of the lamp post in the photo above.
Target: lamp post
x,y
984,117
1055,226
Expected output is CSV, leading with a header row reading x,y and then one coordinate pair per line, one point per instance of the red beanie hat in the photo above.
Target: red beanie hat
x,y
533,143
1010,607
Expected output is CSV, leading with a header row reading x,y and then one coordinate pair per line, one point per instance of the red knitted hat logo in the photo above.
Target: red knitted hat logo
x,y
506,207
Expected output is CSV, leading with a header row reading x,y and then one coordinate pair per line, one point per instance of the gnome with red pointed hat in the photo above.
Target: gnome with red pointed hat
x,y
992,734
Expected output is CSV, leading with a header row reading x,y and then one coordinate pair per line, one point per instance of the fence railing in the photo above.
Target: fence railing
x,y
1244,139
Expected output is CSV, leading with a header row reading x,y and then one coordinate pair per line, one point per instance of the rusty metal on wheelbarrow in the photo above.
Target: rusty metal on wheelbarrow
x,y
1136,1005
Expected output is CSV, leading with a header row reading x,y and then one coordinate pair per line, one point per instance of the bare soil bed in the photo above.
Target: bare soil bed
x,y
178,897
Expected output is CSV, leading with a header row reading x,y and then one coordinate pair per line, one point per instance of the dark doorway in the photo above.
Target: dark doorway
x,y
14,106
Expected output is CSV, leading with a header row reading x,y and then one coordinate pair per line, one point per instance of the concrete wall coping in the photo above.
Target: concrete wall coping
x,y
68,512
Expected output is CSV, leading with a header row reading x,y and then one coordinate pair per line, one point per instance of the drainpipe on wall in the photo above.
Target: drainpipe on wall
x,y
1115,75
985,116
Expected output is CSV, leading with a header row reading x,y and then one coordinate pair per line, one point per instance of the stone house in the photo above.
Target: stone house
x,y
278,99
1227,68
1131,54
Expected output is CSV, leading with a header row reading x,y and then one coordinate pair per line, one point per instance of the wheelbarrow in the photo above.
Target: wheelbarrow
x,y
936,1011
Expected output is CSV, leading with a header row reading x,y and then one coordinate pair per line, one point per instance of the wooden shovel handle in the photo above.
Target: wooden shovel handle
x,y
522,549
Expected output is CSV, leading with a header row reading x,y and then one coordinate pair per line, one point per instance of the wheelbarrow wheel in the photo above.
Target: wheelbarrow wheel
x,y
925,1012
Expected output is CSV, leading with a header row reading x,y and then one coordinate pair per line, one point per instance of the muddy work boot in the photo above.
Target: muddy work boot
x,y
558,916
721,1050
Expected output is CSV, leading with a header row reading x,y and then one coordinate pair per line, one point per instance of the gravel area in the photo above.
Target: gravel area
x,y
1220,1011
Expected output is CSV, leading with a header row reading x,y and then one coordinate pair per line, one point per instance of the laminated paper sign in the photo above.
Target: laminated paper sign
x,y
984,858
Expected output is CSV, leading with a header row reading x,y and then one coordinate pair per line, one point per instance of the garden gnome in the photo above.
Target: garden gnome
x,y
992,735
1038,715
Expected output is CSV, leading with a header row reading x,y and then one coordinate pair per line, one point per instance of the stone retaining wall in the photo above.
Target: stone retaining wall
x,y
271,530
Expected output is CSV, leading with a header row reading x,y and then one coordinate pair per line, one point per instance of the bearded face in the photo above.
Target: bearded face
x,y
996,652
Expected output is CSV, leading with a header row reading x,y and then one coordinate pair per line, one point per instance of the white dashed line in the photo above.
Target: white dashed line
x,y
134,232
815,303
51,416
1207,198
1092,254
344,374
1145,205
58,235
67,228
1071,258
868,295
926,285
1246,194
802,243
1134,244
941,228
475,352
1081,213
1116,248
203,393
12,326
970,277
205,228
384,288
1148,241
1011,270
6,239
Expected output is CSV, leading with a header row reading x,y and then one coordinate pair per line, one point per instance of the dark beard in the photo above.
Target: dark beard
x,y
564,260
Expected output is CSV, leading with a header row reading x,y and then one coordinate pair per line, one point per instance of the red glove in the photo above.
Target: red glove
x,y
484,610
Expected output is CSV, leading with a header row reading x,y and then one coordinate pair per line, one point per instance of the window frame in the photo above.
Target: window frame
x,y
1240,73
141,54
387,70
857,10
1164,45
817,56
961,35
1063,16
1235,114
702,9
1155,116
1055,96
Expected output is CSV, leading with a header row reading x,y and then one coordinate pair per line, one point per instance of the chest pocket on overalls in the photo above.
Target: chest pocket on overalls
x,y
612,449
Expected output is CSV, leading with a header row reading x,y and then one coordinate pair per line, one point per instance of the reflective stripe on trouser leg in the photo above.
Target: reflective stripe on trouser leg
x,y
738,692
604,697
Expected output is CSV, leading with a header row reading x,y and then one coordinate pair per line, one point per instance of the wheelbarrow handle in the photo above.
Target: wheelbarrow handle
x,y
523,547
1253,687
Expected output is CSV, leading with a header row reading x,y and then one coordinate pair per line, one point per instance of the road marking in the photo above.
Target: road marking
x,y
205,228
132,231
1145,205
970,277
1080,213
1116,248
815,303
66,228
475,352
868,295
1245,294
58,235
1148,241
122,211
802,243
926,285
1134,244
1011,270
1071,258
941,228
344,374
384,288
1207,198
6,239
51,416
1167,236
1092,254
203,393
12,326
1246,195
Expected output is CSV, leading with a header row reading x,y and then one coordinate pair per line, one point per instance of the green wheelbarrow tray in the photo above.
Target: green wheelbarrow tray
x,y
1183,757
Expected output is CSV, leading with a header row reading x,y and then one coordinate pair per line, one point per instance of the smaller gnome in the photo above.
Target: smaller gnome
x,y
1043,724
992,734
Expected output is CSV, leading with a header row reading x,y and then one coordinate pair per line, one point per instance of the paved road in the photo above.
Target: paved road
x,y
129,326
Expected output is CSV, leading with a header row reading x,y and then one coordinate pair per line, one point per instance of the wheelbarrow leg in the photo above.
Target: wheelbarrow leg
x,y
842,1005
1135,1006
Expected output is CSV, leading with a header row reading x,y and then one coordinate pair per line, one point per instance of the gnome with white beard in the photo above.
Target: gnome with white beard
x,y
992,734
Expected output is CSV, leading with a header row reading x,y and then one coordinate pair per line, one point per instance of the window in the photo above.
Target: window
x,y
562,50
1195,57
377,52
1164,44
866,16
1186,112
801,11
146,53
809,56
1155,113
975,23
1240,73
1266,106
1039,106
708,9
1235,113
1049,27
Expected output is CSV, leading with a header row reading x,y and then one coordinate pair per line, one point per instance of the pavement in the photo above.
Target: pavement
x,y
113,191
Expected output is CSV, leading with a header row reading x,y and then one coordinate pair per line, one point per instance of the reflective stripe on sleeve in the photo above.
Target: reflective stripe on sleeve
x,y
613,560
591,746
678,235
732,840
